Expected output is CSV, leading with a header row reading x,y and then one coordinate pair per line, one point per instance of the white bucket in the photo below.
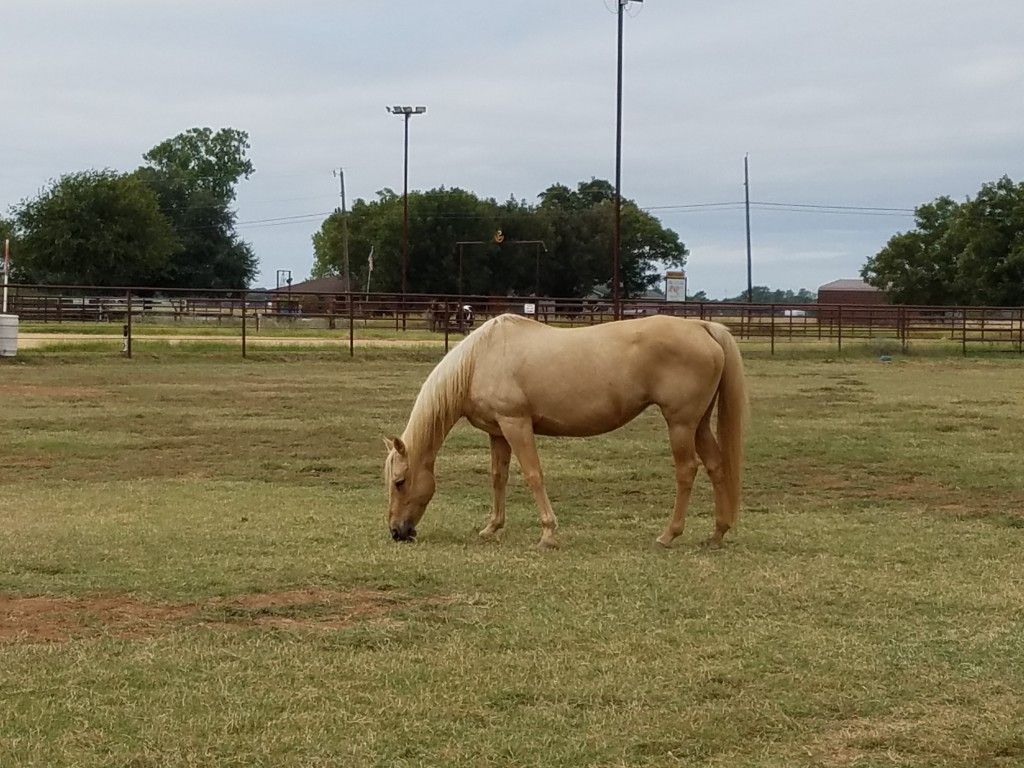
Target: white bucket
x,y
8,335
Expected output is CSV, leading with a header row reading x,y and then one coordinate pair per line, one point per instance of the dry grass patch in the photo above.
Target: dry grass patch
x,y
58,619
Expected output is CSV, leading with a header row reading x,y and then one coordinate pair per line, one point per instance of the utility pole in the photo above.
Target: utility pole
x,y
406,113
746,186
345,271
617,244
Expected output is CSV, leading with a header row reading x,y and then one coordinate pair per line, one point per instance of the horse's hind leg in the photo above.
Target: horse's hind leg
x,y
711,456
684,455
501,453
519,433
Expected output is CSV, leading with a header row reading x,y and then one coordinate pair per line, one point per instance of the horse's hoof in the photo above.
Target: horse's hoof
x,y
546,544
488,535
663,543
714,542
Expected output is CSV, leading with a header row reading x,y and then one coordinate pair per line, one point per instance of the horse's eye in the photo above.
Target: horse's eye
x,y
399,484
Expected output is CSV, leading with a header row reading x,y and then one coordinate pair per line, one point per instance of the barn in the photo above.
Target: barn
x,y
862,300
283,301
851,291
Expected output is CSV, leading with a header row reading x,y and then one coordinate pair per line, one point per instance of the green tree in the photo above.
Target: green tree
x,y
328,247
92,228
574,225
6,233
959,253
195,175
580,241
201,159
438,219
581,223
989,238
762,294
919,267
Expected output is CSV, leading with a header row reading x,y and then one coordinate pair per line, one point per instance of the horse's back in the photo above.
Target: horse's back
x,y
593,379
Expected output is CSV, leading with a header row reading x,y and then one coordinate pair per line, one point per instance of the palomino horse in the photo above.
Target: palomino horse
x,y
515,378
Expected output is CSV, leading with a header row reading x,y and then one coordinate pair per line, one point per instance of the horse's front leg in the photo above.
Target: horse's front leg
x,y
519,434
501,454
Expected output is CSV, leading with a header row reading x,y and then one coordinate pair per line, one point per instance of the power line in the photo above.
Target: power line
x,y
690,205
767,205
737,205
831,211
864,208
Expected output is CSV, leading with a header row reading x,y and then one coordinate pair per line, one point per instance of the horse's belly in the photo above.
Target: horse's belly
x,y
583,416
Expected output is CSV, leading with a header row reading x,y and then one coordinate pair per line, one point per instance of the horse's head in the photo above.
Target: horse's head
x,y
409,487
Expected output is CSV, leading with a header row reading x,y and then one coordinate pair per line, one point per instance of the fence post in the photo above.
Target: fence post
x,y
963,331
445,321
243,325
351,326
129,324
840,321
902,323
772,309
1020,331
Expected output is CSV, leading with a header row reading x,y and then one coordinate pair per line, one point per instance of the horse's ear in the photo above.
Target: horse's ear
x,y
395,444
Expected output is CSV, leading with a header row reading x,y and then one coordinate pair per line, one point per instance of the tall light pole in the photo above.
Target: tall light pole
x,y
405,112
616,301
746,187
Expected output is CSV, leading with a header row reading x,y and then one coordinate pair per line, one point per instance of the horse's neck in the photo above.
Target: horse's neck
x,y
426,432
440,403
429,424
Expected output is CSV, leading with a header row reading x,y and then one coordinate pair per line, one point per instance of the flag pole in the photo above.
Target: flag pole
x,y
7,269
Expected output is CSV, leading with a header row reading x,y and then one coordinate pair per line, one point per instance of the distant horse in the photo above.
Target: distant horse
x,y
440,319
514,378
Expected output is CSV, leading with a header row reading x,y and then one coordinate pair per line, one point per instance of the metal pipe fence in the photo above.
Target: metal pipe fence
x,y
249,315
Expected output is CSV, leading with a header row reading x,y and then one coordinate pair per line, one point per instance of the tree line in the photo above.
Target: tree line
x,y
560,246
968,253
762,294
169,223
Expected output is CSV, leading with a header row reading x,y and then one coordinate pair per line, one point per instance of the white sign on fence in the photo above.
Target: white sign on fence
x,y
529,309
675,286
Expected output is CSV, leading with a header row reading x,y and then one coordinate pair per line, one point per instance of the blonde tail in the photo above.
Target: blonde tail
x,y
732,414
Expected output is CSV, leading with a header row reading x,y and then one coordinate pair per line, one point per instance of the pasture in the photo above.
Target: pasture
x,y
195,570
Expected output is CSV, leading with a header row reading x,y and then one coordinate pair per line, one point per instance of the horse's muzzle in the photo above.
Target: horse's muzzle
x,y
403,532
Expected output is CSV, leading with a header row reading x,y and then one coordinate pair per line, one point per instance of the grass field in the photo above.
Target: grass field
x,y
195,570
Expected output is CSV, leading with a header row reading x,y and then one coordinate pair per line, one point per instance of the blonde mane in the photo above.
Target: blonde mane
x,y
439,403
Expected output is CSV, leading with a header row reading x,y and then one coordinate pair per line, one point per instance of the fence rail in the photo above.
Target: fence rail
x,y
360,313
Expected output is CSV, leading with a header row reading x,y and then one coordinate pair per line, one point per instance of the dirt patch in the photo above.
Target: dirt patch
x,y
57,619
937,735
873,484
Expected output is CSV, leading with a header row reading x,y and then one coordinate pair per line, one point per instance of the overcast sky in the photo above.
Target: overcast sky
x,y
882,103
